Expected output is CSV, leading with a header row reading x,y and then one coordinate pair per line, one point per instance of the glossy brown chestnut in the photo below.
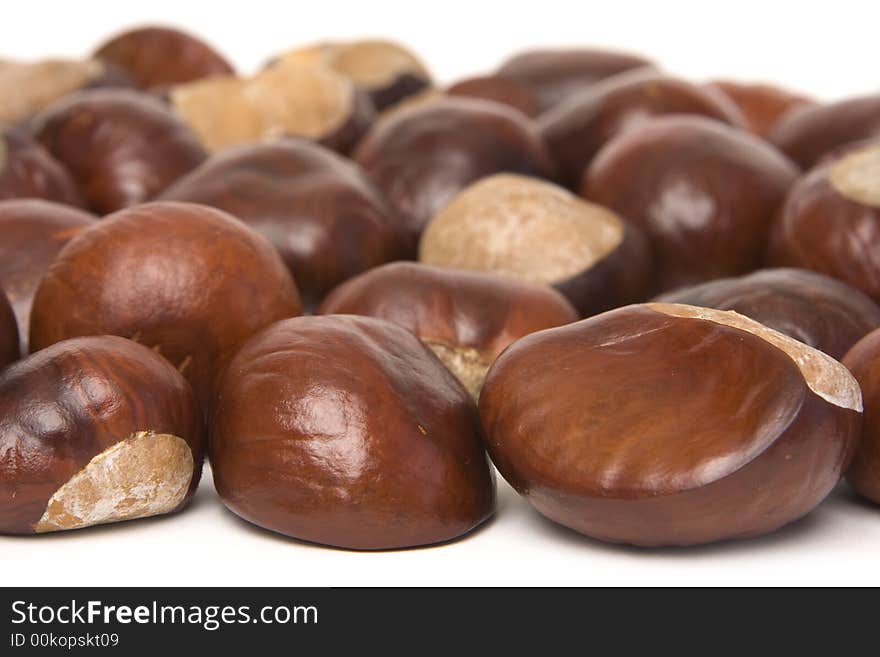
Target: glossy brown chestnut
x,y
9,349
423,155
325,217
815,309
830,221
387,71
28,171
555,75
499,90
809,133
347,431
863,360
465,318
155,56
122,147
33,232
621,431
577,129
286,100
762,105
704,194
92,431
189,281
539,232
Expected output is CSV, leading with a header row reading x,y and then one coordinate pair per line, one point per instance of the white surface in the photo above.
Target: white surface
x,y
827,49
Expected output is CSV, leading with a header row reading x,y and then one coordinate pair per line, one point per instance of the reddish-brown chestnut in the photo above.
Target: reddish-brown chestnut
x,y
92,431
704,194
325,217
539,232
155,56
347,431
189,281
499,90
863,360
665,424
423,155
28,171
466,318
122,147
9,349
761,105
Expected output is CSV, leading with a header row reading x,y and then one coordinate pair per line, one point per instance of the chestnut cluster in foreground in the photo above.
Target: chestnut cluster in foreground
x,y
650,303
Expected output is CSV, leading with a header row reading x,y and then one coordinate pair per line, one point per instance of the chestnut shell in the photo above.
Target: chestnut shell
x,y
9,350
863,360
27,170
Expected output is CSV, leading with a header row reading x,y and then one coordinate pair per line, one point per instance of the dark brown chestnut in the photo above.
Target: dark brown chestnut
x,y
665,424
465,318
122,147
28,171
555,75
92,431
863,360
154,56
809,133
347,431
703,192
539,232
9,348
500,90
575,130
810,307
423,155
189,281
33,232
761,105
830,221
325,217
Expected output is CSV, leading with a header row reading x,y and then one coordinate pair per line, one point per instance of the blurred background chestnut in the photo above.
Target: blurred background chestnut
x,y
761,105
9,348
28,171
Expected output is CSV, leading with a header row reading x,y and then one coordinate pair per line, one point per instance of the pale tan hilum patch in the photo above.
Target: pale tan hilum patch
x,y
467,364
857,175
27,87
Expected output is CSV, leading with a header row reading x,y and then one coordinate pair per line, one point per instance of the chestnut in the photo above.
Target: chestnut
x,y
325,217
191,282
703,192
465,318
575,130
499,90
830,221
863,360
622,432
122,147
347,431
424,154
28,171
95,430
387,71
156,57
33,232
9,349
554,75
809,133
762,105
807,306
286,100
539,232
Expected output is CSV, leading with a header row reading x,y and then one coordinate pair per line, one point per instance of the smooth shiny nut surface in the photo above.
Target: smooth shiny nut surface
x,y
27,170
762,105
9,349
863,360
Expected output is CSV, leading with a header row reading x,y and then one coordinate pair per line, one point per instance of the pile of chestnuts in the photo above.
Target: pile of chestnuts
x,y
652,304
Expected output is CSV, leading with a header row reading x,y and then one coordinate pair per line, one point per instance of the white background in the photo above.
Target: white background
x,y
826,49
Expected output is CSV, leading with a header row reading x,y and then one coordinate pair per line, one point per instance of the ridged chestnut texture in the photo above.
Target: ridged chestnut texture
x,y
830,221
556,75
810,133
92,431
665,424
325,217
807,306
575,130
189,281
703,193
863,360
33,232
762,105
421,156
155,56
347,431
122,147
28,171
388,72
466,318
541,233
499,90
9,349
